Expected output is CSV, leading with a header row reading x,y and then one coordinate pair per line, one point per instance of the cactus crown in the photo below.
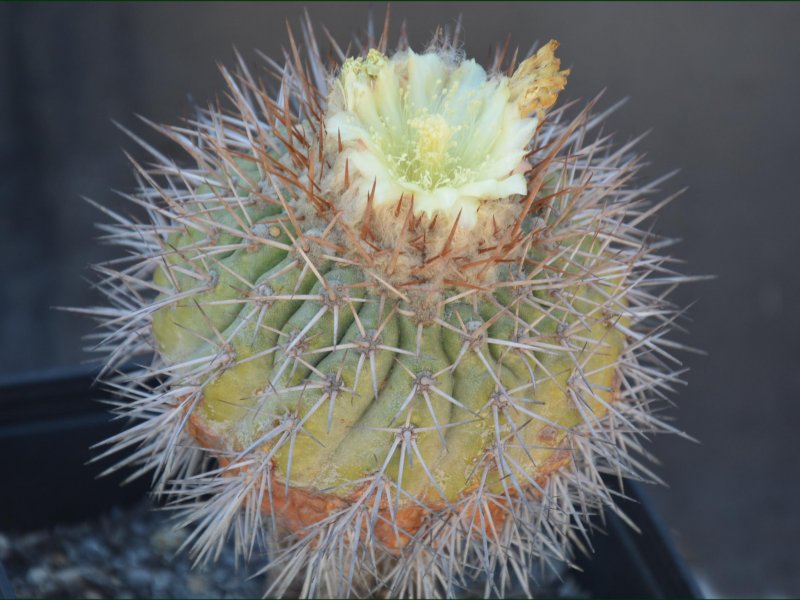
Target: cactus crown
x,y
407,310
428,156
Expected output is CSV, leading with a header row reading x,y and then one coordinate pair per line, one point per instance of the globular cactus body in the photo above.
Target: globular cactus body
x,y
411,320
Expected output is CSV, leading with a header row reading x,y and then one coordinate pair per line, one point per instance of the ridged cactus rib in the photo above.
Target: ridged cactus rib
x,y
407,307
252,341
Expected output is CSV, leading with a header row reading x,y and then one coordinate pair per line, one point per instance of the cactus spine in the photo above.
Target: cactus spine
x,y
401,317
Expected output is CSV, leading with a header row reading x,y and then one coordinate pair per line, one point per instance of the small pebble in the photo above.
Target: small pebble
x,y
139,579
167,540
38,576
30,540
93,549
5,547
197,584
69,577
161,580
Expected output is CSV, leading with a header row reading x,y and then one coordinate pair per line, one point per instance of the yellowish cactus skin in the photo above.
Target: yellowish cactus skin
x,y
406,307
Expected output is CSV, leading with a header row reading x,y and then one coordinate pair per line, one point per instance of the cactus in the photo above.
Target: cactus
x,y
397,319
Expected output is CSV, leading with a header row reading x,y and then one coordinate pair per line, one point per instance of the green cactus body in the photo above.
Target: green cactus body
x,y
412,322
354,368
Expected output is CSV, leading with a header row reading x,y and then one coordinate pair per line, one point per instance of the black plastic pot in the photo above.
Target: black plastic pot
x,y
48,421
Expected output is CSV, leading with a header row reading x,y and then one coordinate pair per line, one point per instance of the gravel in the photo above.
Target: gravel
x,y
127,553
133,553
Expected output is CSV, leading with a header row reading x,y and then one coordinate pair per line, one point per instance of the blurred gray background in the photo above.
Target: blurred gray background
x,y
718,84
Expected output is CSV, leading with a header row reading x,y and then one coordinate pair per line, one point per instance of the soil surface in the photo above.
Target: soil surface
x,y
127,553
133,553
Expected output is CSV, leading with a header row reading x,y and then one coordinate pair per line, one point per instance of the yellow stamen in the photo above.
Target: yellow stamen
x,y
433,138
